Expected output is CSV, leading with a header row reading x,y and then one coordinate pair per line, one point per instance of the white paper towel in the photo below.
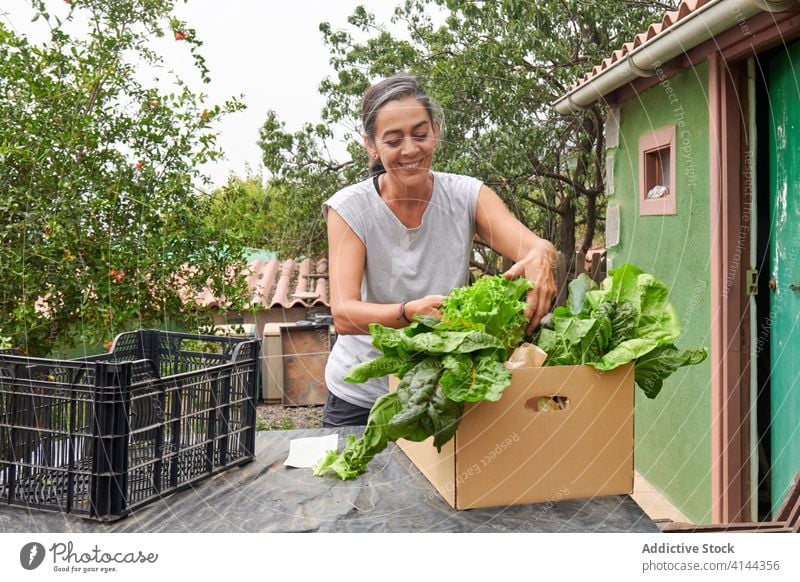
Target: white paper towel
x,y
306,452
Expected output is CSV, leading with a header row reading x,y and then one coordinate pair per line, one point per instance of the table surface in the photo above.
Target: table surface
x,y
393,496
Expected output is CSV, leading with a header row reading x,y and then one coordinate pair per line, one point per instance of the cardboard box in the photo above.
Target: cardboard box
x,y
510,452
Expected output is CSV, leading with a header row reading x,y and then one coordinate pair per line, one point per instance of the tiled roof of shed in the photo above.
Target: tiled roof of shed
x,y
280,284
684,9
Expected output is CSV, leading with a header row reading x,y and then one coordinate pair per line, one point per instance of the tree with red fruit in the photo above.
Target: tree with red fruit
x,y
99,177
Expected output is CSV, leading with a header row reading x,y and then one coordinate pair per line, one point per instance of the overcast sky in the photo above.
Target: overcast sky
x,y
269,51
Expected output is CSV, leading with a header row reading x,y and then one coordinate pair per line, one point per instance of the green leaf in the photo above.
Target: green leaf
x,y
379,367
474,378
657,316
625,352
390,341
396,343
493,305
357,453
492,377
578,288
456,381
442,365
624,322
445,416
625,286
654,367
628,319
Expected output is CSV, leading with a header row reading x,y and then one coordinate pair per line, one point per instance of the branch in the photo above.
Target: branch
x,y
543,71
326,166
561,178
333,169
662,6
541,204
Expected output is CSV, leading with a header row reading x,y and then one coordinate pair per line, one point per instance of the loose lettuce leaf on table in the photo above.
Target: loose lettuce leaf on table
x,y
357,453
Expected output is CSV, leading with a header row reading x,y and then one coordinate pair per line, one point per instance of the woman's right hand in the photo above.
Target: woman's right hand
x,y
428,305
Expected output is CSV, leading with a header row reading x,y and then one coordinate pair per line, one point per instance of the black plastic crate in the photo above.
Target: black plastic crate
x,y
104,435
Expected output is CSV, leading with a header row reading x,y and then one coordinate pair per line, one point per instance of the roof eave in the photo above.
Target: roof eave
x,y
686,33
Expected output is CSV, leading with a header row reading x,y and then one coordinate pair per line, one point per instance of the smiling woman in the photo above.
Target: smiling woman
x,y
402,239
403,150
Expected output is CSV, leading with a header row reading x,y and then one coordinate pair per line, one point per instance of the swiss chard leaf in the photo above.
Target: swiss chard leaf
x,y
442,364
445,415
396,343
357,453
578,288
491,377
623,324
379,367
472,379
657,365
629,318
623,285
657,316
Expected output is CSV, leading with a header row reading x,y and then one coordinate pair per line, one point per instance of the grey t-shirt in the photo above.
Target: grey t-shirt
x,y
402,263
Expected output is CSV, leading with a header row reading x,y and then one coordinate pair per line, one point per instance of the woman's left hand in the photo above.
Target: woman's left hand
x,y
537,267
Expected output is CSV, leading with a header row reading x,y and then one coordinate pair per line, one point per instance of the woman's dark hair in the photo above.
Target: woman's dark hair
x,y
393,88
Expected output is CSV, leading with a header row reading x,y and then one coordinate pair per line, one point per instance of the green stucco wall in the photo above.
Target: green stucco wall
x,y
672,432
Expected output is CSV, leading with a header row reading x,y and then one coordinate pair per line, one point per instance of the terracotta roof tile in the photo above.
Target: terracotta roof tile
x,y
321,285
670,18
263,277
281,293
279,284
654,29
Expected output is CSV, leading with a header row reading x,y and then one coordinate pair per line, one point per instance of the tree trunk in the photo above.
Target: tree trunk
x,y
566,239
591,222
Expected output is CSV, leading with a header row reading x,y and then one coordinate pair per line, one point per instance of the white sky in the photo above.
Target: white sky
x,y
270,51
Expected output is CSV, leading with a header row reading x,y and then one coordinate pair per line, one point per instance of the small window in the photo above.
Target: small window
x,y
657,172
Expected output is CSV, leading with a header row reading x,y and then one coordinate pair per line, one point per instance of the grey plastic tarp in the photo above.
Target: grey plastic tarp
x,y
393,496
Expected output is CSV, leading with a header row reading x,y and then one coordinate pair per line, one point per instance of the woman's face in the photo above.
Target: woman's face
x,y
405,140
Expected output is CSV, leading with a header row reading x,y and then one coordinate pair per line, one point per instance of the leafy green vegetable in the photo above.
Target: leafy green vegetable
x,y
442,364
357,453
474,378
652,368
578,288
493,305
376,368
629,318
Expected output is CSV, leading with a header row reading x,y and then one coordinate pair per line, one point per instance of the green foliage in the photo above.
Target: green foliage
x,y
241,210
494,67
629,318
99,211
281,424
303,176
358,453
441,365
